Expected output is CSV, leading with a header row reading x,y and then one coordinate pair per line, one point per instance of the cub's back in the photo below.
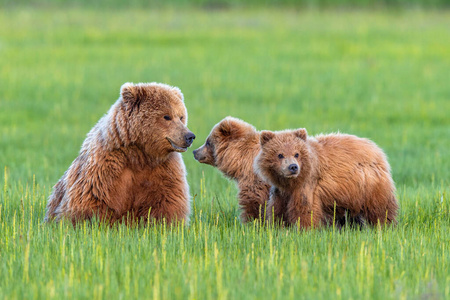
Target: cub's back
x,y
349,149
350,168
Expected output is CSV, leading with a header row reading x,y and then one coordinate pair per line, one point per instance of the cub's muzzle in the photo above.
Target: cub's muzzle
x,y
293,168
198,154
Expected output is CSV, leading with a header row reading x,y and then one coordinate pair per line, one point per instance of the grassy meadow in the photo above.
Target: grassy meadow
x,y
379,74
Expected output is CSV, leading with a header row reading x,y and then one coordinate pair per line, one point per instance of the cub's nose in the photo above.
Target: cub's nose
x,y
195,154
189,138
293,168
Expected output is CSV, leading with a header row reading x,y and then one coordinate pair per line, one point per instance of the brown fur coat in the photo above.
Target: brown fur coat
x,y
128,167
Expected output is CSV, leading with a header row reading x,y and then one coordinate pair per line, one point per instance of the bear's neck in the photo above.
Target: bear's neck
x,y
288,194
138,158
288,185
239,170
112,134
239,167
111,131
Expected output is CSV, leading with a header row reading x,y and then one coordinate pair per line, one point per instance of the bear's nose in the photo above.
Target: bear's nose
x,y
293,168
189,138
197,155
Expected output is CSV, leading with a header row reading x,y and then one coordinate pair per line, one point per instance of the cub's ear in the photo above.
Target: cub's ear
x,y
132,94
227,127
301,133
266,136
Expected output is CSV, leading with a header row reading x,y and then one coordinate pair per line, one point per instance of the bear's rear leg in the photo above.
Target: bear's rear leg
x,y
383,212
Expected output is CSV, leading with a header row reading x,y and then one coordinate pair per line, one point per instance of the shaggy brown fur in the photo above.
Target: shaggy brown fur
x,y
128,167
312,175
232,147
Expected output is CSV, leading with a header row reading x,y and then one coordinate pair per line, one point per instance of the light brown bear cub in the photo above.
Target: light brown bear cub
x,y
232,147
312,177
129,167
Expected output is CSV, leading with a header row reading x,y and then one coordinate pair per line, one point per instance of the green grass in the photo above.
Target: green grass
x,y
382,75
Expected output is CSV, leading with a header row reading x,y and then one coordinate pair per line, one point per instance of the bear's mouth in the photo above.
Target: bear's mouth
x,y
176,147
291,176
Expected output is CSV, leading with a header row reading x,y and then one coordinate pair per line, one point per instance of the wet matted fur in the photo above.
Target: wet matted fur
x,y
129,167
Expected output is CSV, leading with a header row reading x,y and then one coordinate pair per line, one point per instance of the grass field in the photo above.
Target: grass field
x,y
382,75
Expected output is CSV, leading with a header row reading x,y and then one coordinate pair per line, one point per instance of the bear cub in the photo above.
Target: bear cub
x,y
232,147
129,167
324,179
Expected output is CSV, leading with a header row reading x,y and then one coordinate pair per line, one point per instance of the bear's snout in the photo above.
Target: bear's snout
x,y
290,168
203,156
200,154
189,138
293,168
197,156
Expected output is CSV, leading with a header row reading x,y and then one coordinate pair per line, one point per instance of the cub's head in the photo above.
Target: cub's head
x,y
156,117
283,156
230,147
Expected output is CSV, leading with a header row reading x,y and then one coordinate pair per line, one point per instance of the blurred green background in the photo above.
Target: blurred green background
x,y
380,74
223,4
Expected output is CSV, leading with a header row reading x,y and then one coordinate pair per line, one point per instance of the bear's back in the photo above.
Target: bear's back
x,y
350,170
350,148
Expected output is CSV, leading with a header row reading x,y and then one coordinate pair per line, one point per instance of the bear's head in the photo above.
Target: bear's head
x,y
156,117
284,157
229,146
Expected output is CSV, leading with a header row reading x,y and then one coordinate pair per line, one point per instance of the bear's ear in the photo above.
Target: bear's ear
x,y
266,136
301,133
228,127
225,128
132,94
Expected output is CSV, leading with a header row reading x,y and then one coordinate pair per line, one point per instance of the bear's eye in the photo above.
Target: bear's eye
x,y
181,118
168,118
207,144
280,156
296,155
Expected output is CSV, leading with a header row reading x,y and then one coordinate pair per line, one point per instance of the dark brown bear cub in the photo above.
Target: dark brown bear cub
x,y
317,180
129,167
232,147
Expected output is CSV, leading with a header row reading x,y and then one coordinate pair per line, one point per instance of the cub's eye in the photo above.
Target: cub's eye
x,y
280,156
168,118
296,155
181,118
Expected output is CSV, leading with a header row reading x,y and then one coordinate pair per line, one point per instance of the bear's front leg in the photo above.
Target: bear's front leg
x,y
163,194
170,202
161,201
253,200
276,207
304,209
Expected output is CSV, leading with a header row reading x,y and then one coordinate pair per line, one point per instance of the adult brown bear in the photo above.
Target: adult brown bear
x,y
129,167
